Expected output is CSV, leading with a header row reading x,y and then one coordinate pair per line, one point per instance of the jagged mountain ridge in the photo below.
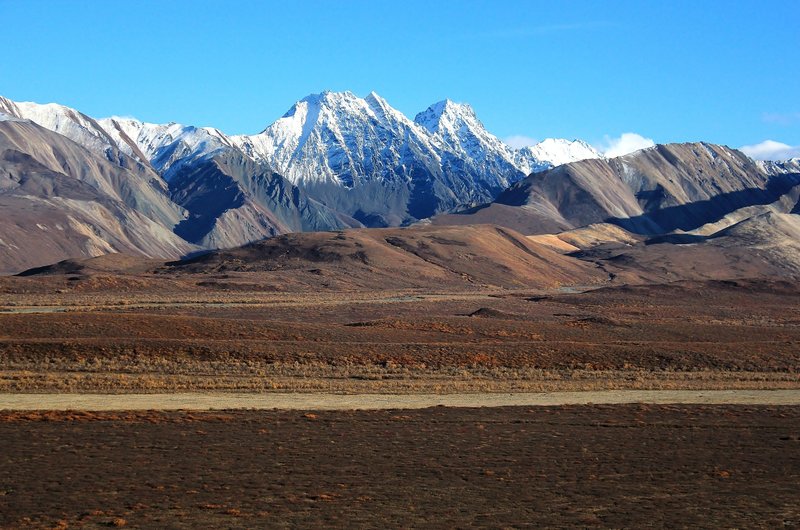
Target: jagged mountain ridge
x,y
166,147
109,171
330,144
295,143
233,200
163,144
367,159
68,122
351,160
253,204
361,157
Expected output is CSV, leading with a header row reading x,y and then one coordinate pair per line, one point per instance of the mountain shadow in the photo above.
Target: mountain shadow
x,y
696,214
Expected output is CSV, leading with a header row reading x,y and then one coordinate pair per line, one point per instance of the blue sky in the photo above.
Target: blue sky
x,y
725,72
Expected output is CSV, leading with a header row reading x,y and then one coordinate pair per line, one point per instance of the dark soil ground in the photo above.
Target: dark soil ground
x,y
631,466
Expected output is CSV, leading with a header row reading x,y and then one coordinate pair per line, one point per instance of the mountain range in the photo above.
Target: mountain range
x,y
75,186
333,161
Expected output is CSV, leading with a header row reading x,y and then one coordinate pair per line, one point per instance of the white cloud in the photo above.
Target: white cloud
x,y
518,141
771,150
623,144
781,118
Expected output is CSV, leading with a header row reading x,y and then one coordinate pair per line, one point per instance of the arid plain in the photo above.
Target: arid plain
x,y
436,310
475,310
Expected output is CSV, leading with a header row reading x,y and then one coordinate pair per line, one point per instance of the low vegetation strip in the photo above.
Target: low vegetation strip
x,y
320,401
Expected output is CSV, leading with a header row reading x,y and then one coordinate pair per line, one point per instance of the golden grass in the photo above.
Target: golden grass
x,y
376,379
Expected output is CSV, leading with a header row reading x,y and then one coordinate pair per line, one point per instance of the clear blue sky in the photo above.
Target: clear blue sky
x,y
726,72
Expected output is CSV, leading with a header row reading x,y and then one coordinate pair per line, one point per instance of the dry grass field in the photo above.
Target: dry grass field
x,y
137,333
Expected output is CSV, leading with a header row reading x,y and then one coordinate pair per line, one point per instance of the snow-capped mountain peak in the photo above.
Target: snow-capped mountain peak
x,y
555,151
384,112
466,145
335,137
447,113
458,127
149,143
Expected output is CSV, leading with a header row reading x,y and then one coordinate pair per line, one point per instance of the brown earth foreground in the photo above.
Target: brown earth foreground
x,y
630,466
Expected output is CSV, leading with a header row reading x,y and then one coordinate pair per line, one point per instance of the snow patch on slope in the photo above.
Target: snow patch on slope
x,y
553,152
166,147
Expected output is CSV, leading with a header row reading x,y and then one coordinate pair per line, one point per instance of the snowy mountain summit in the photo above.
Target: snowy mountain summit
x,y
339,138
367,159
331,136
466,145
555,152
458,127
448,118
357,156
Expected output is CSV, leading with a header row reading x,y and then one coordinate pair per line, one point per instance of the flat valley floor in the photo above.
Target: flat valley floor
x,y
111,335
617,466
219,336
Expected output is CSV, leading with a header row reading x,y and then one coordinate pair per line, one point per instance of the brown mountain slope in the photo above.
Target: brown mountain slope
x,y
135,185
232,200
765,246
470,257
60,201
436,257
111,264
653,191
587,237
